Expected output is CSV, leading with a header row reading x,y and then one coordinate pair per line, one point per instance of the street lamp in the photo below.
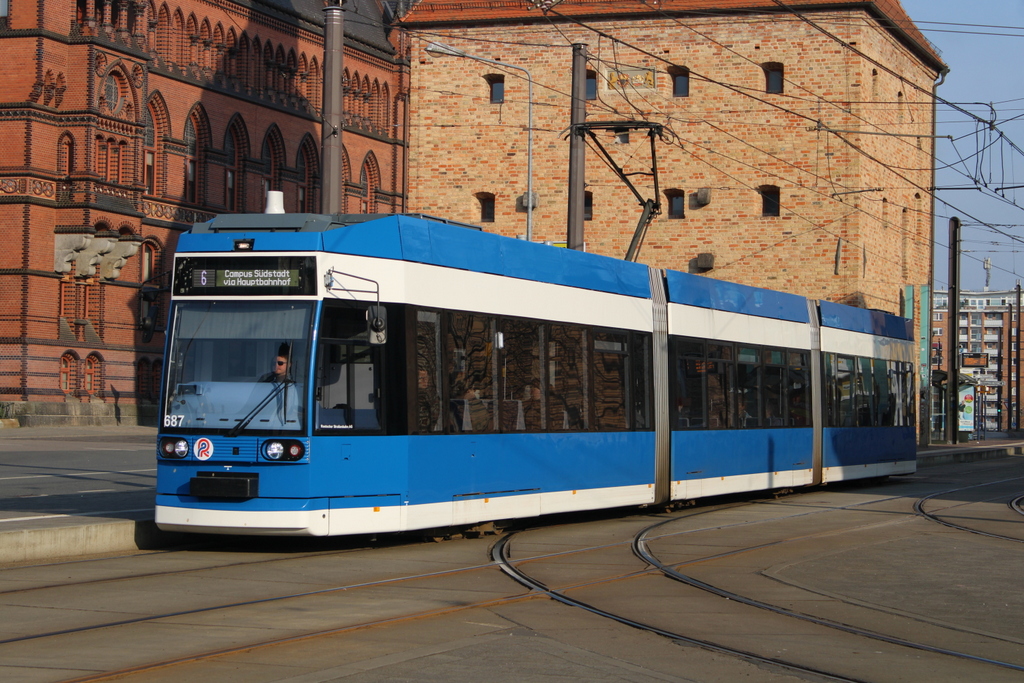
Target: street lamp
x,y
446,50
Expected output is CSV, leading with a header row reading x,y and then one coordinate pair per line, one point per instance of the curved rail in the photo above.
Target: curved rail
x,y
919,509
500,555
641,550
1015,505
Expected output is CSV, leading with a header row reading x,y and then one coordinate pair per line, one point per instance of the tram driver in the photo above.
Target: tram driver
x,y
280,372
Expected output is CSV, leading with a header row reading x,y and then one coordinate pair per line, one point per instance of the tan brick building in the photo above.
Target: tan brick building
x,y
121,123
796,150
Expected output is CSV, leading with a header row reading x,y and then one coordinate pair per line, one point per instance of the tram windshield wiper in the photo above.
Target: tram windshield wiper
x,y
281,387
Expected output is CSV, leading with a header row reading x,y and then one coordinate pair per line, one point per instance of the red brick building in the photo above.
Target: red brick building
x,y
121,123
796,152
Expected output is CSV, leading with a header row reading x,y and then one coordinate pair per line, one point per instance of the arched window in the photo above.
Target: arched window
x,y
230,173
680,81
774,77
495,88
68,372
92,378
770,201
306,163
676,200
148,152
66,155
486,201
272,155
118,156
148,261
314,83
385,111
369,178
102,156
191,163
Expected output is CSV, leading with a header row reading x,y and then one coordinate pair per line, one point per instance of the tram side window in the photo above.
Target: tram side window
x,y
886,390
640,372
721,387
865,398
774,388
523,400
799,390
472,373
748,386
690,372
567,379
348,376
610,382
844,378
428,365
909,397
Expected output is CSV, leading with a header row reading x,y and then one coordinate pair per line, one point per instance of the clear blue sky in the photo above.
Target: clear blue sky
x,y
982,41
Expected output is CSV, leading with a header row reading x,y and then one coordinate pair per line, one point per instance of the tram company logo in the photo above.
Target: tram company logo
x,y
203,448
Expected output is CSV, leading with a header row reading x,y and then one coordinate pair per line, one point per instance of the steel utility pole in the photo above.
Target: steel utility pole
x,y
953,381
331,189
577,158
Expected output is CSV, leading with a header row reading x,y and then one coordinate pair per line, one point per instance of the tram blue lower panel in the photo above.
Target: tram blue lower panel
x,y
851,446
384,471
441,467
702,454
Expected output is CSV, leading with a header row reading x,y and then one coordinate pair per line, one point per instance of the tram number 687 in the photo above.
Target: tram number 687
x,y
173,420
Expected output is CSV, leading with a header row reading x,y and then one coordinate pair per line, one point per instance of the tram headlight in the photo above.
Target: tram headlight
x,y
173,447
283,450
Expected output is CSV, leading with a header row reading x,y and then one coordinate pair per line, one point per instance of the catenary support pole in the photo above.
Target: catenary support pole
x,y
577,149
331,180
953,381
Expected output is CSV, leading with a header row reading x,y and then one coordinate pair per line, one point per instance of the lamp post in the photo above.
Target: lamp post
x,y
439,49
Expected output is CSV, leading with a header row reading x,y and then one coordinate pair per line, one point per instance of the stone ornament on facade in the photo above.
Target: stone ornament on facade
x,y
113,261
89,258
28,186
67,246
171,212
138,76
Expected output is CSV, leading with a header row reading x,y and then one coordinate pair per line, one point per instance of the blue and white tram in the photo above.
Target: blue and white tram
x,y
362,374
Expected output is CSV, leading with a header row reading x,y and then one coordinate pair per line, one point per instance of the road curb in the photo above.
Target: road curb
x,y
97,538
966,455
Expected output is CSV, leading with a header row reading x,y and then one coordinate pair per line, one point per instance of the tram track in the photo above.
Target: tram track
x,y
242,604
538,590
501,556
1013,504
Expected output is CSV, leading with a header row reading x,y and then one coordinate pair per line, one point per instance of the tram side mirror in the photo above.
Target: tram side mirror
x,y
377,324
147,326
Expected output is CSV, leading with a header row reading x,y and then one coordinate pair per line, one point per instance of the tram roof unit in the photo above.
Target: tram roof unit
x,y
435,241
868,321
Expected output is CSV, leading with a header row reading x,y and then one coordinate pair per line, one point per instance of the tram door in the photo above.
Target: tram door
x,y
348,373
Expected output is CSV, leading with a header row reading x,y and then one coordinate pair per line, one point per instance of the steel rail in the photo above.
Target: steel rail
x,y
500,555
641,550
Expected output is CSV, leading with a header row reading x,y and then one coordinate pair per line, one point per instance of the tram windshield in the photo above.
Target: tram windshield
x,y
238,366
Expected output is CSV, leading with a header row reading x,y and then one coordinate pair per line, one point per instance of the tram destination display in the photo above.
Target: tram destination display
x,y
240,276
245,277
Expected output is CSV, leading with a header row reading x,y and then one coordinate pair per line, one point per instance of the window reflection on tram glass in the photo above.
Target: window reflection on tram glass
x,y
348,372
219,351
